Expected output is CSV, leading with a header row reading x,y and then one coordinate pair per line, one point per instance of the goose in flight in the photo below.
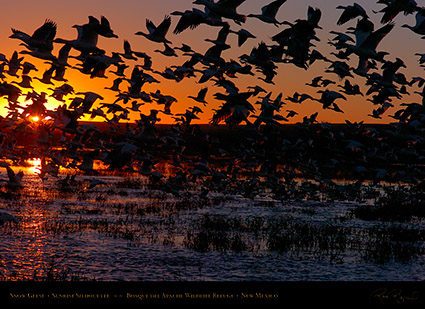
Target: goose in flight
x,y
394,7
47,75
221,37
234,110
104,28
130,54
88,100
15,179
192,19
27,67
25,82
14,64
87,38
328,98
350,89
224,8
298,98
419,27
115,85
350,12
268,13
157,34
167,51
368,40
243,36
42,38
200,96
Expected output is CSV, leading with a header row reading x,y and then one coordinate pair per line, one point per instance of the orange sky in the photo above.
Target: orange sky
x,y
128,16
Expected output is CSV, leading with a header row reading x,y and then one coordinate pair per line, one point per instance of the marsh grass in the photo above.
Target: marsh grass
x,y
393,244
132,210
397,205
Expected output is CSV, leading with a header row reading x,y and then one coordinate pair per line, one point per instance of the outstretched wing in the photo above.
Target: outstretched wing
x,y
46,32
272,8
150,26
223,113
10,173
189,19
163,27
376,37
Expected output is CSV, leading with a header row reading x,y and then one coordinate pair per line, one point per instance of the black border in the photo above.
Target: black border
x,y
267,293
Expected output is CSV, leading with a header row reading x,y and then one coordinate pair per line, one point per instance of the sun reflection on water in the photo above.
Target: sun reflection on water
x,y
34,165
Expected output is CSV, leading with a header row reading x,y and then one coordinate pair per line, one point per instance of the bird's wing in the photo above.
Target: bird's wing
x,y
150,26
87,34
375,37
420,17
189,19
202,93
105,22
223,113
272,8
46,32
350,13
127,47
10,173
162,29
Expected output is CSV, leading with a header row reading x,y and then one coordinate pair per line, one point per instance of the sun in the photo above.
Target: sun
x,y
34,165
35,119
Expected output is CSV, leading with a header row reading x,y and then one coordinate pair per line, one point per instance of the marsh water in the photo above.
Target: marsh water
x,y
124,229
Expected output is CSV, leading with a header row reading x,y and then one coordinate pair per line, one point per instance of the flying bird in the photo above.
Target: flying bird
x,y
190,19
41,39
157,34
200,97
394,7
350,12
130,54
243,36
224,8
268,13
368,40
328,98
419,27
104,28
87,37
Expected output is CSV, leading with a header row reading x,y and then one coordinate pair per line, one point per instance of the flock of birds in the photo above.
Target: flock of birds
x,y
364,149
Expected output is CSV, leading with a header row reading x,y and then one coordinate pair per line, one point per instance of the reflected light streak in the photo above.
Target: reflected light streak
x,y
34,165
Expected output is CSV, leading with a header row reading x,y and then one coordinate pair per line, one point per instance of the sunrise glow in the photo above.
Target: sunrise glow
x,y
34,165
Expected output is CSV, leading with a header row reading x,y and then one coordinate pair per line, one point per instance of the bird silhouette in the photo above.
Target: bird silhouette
x,y
87,38
268,12
225,9
190,19
15,179
368,40
200,97
394,7
328,98
157,34
419,27
14,64
41,39
351,12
